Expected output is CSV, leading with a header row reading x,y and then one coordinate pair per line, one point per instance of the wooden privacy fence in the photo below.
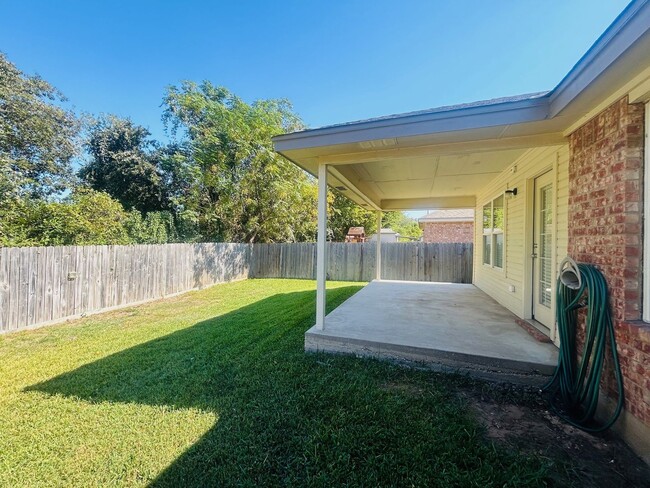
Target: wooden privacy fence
x,y
411,261
47,284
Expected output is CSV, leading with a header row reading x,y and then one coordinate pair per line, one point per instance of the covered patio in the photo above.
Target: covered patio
x,y
440,158
463,156
549,175
446,326
508,158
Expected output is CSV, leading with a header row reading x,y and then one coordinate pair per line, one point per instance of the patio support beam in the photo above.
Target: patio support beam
x,y
321,248
378,258
351,186
428,203
480,145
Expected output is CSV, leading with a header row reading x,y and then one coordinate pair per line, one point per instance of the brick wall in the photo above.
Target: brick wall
x,y
448,232
605,229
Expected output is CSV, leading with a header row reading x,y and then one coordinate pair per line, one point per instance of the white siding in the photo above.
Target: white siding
x,y
518,224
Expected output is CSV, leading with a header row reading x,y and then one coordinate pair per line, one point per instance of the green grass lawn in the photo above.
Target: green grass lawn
x,y
212,388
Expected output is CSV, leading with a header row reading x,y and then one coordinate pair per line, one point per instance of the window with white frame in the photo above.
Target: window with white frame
x,y
493,236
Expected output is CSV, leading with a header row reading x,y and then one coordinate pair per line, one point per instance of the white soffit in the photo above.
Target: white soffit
x,y
426,178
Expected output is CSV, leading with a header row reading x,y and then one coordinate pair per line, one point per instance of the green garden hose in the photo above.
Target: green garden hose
x,y
574,387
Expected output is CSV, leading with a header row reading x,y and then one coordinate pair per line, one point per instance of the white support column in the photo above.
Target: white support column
x,y
378,260
321,248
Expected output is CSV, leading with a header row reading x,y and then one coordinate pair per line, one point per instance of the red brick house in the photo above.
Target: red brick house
x,y
448,225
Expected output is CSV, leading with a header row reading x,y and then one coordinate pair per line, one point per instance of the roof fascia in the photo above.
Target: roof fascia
x,y
628,27
468,118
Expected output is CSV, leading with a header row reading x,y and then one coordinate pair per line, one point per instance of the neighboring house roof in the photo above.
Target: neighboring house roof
x,y
388,230
448,215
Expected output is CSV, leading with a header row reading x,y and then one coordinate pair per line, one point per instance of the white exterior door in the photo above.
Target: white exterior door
x,y
543,242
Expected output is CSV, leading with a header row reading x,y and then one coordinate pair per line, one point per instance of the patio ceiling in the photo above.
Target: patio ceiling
x,y
412,167
440,158
449,180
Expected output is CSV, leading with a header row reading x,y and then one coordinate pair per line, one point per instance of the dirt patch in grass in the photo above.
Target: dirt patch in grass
x,y
518,418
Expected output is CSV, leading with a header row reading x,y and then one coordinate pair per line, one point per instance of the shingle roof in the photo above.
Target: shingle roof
x,y
449,215
444,108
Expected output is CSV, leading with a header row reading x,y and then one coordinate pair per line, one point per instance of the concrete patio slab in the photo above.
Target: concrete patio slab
x,y
448,326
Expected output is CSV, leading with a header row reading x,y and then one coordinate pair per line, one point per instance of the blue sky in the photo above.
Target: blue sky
x,y
335,60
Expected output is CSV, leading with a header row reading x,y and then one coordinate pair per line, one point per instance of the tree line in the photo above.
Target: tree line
x,y
69,179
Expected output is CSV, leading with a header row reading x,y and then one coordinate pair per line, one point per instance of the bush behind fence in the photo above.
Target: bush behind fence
x,y
39,285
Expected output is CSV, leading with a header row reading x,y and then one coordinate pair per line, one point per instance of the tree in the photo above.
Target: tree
x,y
38,138
404,225
241,189
153,228
126,163
343,213
86,217
13,224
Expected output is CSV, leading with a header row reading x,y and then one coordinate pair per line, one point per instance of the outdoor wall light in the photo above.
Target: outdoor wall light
x,y
511,193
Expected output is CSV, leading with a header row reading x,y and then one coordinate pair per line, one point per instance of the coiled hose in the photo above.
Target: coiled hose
x,y
576,383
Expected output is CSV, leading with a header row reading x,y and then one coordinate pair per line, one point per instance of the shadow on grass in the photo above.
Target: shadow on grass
x,y
290,419
247,366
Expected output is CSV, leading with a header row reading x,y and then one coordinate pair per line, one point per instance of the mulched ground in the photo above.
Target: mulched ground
x,y
519,419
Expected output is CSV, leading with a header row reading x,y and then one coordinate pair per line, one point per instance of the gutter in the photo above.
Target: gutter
x,y
505,113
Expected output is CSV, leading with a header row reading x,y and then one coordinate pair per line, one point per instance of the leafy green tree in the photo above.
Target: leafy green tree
x,y
38,138
240,188
86,217
404,225
127,164
153,228
343,213
13,224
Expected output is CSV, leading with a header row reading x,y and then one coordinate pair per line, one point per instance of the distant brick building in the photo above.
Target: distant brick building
x,y
456,225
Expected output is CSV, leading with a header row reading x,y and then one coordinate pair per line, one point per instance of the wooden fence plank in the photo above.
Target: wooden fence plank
x,y
4,289
50,285
14,283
